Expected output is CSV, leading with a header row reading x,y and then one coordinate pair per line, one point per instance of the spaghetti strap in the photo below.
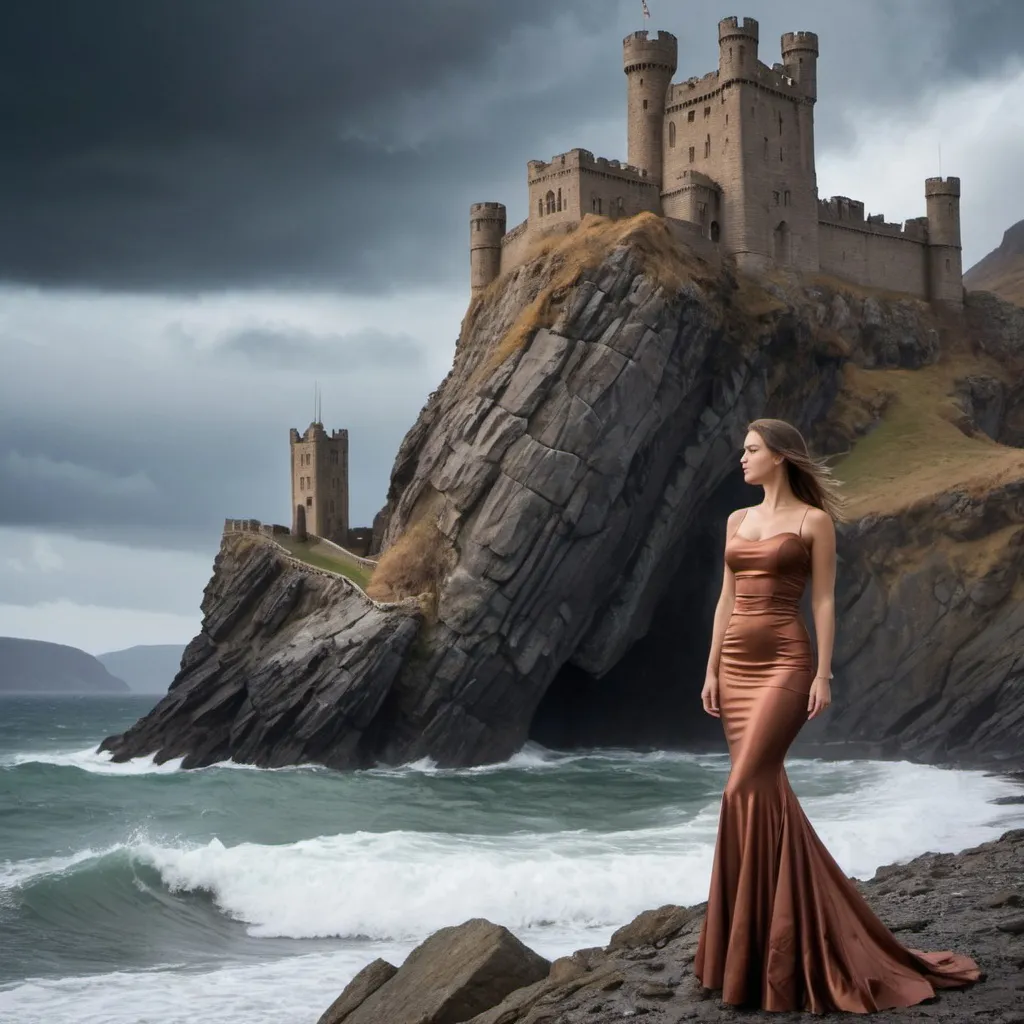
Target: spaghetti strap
x,y
800,529
740,523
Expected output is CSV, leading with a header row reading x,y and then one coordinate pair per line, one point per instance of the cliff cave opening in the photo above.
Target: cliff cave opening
x,y
651,698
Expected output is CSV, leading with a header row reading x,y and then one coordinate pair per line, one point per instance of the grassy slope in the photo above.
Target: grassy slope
x,y
917,452
325,557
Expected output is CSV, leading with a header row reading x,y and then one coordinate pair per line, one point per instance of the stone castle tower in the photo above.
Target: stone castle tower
x,y
320,483
728,159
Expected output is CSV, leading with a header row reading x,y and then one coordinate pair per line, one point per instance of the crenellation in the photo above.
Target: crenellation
x,y
728,158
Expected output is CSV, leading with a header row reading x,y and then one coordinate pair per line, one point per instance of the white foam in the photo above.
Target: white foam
x,y
93,761
533,756
402,885
17,873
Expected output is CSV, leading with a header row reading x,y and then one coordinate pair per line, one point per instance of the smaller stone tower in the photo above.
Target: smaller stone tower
x,y
320,483
945,260
486,230
737,48
649,65
800,56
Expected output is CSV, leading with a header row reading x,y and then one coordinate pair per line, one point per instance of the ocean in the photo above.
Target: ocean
x,y
139,893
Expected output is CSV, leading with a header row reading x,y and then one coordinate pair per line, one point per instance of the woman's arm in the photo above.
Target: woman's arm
x,y
823,603
726,599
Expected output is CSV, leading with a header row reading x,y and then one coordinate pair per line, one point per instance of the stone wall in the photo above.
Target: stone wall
x,y
254,526
874,259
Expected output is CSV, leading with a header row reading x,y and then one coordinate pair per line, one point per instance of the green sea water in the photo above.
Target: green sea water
x,y
136,893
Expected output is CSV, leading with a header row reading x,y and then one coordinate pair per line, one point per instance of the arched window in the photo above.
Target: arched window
x,y
781,245
715,231
549,200
671,133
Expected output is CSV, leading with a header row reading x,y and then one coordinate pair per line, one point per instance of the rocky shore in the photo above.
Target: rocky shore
x,y
971,902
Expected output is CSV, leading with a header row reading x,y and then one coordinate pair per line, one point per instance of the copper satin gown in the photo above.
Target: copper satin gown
x,y
785,929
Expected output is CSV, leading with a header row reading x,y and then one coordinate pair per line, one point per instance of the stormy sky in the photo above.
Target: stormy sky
x,y
207,207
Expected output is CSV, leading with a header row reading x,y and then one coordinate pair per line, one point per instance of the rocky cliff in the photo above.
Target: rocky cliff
x,y
557,510
1002,270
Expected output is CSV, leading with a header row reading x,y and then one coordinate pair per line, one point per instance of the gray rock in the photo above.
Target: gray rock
x,y
454,975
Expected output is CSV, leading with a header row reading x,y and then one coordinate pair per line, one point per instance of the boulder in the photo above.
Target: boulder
x,y
454,975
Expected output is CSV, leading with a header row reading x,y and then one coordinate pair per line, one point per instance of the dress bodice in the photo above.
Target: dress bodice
x,y
771,573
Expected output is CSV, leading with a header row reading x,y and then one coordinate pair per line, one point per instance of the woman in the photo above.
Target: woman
x,y
785,928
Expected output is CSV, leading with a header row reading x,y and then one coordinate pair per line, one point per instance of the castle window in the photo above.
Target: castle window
x,y
715,231
775,196
559,200
671,133
302,483
780,154
785,198
780,124
693,153
540,207
596,204
707,147
707,111
309,503
691,115
743,54
726,118
645,104
766,147
550,201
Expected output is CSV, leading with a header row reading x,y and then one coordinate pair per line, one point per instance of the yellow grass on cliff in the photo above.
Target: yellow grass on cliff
x,y
917,451
412,566
561,260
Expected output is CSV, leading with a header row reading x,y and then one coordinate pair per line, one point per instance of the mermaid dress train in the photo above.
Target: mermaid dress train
x,y
785,929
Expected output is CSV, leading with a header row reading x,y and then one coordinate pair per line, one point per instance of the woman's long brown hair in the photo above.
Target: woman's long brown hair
x,y
810,478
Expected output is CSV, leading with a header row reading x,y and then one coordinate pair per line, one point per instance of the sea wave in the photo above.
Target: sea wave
x,y
401,885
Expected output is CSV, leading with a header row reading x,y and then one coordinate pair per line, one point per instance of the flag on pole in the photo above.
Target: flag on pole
x,y
643,4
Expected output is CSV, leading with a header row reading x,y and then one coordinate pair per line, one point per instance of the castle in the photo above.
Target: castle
x,y
729,159
320,483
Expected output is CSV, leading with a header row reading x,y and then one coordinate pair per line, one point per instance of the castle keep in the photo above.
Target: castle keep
x,y
320,483
729,159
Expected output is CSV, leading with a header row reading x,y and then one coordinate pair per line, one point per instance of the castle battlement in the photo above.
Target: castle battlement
x,y
732,28
942,187
728,158
640,51
581,159
792,41
842,212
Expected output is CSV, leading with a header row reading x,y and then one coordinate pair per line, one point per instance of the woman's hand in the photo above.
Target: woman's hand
x,y
819,698
709,695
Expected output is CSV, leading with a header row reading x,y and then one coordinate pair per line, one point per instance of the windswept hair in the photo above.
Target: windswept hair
x,y
811,479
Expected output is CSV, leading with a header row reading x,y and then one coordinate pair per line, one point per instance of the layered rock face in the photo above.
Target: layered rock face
x,y
574,471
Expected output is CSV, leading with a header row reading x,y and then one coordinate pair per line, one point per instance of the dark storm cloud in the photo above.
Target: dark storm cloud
x,y
284,348
221,143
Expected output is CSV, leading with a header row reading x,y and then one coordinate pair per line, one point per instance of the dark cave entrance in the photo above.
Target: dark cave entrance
x,y
651,698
